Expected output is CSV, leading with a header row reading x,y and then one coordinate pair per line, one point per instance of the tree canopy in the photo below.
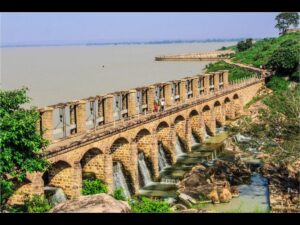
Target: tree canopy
x,y
285,20
20,143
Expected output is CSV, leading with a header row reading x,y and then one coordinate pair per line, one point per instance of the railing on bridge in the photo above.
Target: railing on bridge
x,y
121,109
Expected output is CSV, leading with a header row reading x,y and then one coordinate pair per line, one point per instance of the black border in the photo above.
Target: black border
x,y
149,6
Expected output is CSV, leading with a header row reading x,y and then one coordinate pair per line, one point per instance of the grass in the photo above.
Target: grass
x,y
235,73
262,50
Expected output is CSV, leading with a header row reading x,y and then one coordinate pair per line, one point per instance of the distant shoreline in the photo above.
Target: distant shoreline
x,y
121,43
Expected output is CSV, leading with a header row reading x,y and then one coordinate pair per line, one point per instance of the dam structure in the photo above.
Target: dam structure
x,y
114,136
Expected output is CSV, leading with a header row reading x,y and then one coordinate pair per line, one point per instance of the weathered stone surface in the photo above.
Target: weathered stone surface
x,y
100,203
225,195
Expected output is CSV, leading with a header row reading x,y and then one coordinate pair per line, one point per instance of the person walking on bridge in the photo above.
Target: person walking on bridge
x,y
162,104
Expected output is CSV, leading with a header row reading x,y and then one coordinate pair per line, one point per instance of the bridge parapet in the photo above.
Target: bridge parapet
x,y
103,112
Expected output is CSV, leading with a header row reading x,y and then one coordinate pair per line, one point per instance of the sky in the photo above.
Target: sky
x,y
36,28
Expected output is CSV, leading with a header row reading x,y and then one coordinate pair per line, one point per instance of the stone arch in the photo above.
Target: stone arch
x,y
92,164
164,136
121,152
145,144
178,119
238,108
182,132
20,190
60,174
196,123
229,109
209,120
219,114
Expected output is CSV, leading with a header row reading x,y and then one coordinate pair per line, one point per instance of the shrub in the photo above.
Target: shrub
x,y
278,84
147,205
36,204
91,187
119,194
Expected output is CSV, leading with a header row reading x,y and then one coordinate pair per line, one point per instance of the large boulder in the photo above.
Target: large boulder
x,y
225,195
99,203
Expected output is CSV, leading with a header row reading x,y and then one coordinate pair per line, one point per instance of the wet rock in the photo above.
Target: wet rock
x,y
225,195
213,196
235,191
186,199
179,207
92,204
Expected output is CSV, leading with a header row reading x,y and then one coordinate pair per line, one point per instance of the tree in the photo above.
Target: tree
x,y
244,45
285,20
285,59
20,143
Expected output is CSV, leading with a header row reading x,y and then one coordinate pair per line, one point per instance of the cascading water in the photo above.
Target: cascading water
x,y
119,179
194,140
162,159
178,147
205,133
219,128
144,170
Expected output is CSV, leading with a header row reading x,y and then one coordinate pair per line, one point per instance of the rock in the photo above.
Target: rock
x,y
235,191
92,204
55,195
261,155
192,181
179,207
189,211
186,199
213,196
225,195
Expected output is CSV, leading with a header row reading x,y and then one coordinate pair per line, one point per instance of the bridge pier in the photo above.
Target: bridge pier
x,y
108,172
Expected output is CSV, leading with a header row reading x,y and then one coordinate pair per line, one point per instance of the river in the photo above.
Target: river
x,y
59,74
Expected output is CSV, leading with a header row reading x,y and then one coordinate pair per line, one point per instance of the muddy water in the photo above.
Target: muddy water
x,y
58,74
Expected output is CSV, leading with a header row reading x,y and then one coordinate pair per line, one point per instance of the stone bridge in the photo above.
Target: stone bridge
x,y
91,135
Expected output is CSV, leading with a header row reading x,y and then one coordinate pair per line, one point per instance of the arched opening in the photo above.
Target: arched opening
x,y
181,145
237,105
20,190
228,109
145,157
59,175
92,164
206,112
193,113
122,166
220,117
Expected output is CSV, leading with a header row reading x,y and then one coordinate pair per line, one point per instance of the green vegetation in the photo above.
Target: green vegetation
x,y
262,50
244,45
277,132
119,194
20,143
235,73
285,20
148,205
91,187
278,84
37,204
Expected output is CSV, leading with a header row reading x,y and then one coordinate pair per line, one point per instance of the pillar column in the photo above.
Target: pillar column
x,y
195,87
206,84
108,172
73,118
76,180
108,109
168,94
202,125
154,155
216,81
150,97
188,135
173,143
183,93
212,123
225,78
134,166
81,116
46,120
132,103
230,110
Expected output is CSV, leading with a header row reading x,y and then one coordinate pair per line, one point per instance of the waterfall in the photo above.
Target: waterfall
x,y
169,181
178,147
219,129
194,141
205,133
162,159
119,179
144,169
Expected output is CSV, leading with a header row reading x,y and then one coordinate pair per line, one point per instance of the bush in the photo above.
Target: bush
x,y
119,194
278,84
244,45
147,205
91,187
36,204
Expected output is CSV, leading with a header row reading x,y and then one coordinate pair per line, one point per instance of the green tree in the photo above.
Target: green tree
x,y
20,143
285,59
285,20
244,45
